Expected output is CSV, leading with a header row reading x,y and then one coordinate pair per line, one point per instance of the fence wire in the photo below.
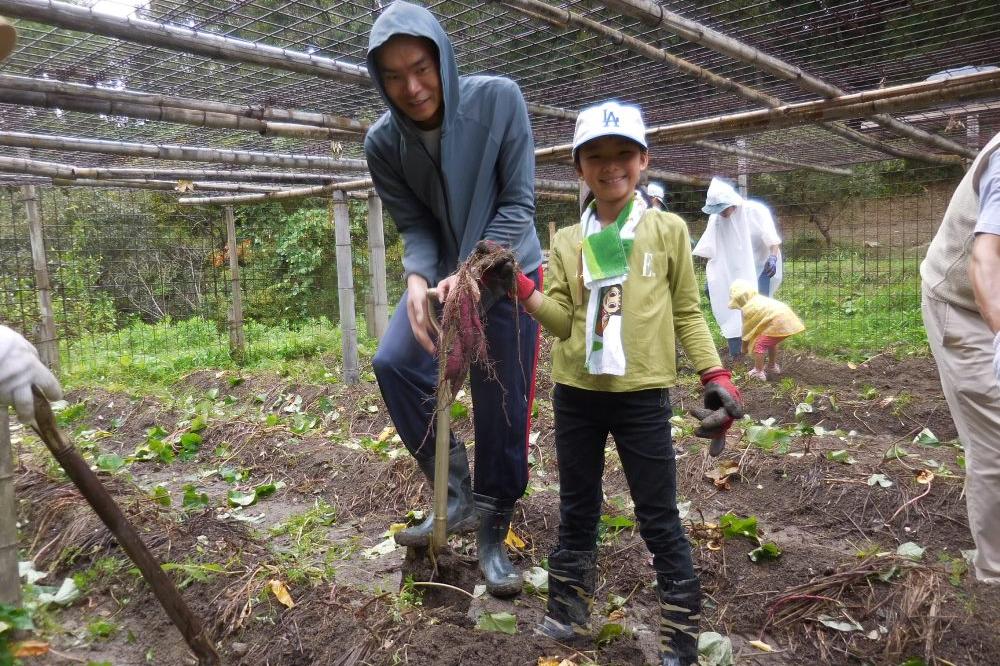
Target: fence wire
x,y
138,280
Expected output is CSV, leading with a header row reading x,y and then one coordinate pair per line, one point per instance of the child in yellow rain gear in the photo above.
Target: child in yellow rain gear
x,y
766,323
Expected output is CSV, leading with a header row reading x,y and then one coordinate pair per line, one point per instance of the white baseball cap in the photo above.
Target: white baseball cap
x,y
655,190
609,119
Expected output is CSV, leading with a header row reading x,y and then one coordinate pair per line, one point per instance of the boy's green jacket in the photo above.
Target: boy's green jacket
x,y
660,298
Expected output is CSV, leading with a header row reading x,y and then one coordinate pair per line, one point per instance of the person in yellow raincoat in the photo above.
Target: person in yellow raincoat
x,y
766,323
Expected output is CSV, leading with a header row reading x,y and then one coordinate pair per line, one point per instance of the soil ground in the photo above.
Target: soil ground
x,y
345,481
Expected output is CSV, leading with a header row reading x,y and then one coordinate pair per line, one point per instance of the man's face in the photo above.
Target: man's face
x,y
409,70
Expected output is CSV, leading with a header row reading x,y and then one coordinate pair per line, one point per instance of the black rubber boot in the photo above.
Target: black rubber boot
x,y
461,510
502,579
572,576
680,615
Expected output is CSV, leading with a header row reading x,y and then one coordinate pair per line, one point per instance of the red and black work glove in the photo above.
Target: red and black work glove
x,y
504,278
723,405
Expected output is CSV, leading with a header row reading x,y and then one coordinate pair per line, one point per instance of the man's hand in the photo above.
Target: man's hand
x,y
771,266
20,368
418,313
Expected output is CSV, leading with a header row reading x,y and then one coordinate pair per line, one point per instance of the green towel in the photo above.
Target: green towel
x,y
606,252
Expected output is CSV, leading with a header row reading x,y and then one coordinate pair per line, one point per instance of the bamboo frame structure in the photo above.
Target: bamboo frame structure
x,y
291,193
165,185
179,38
882,100
566,18
237,338
376,266
340,213
248,111
181,153
695,32
48,344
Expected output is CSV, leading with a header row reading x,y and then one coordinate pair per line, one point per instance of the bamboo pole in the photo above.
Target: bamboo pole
x,y
128,538
567,18
182,153
237,338
163,185
555,196
908,97
10,580
48,345
173,115
250,111
345,288
68,171
763,157
692,31
376,265
179,38
290,193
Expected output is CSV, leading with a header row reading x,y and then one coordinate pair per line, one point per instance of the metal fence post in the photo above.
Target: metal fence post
x,y
237,338
48,345
376,259
10,585
345,287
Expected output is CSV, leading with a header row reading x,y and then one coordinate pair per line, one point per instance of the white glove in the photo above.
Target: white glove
x,y
19,369
996,355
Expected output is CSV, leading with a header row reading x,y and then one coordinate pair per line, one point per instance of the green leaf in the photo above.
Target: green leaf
x,y
714,649
617,522
192,498
803,408
913,661
272,420
239,498
841,456
537,580
110,462
18,619
910,551
160,495
609,632
504,623
303,423
881,479
767,551
190,443
896,451
198,424
734,526
459,411
926,438
268,489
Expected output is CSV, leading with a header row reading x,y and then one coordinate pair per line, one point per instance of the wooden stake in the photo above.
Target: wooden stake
x,y
10,580
237,339
376,265
345,288
48,345
111,515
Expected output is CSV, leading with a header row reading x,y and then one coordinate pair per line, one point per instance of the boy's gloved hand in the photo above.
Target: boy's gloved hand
x,y
19,369
723,404
771,266
498,279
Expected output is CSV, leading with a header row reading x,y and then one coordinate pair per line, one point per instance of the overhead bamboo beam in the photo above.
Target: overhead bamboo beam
x,y
171,115
249,111
164,185
68,171
883,100
692,31
717,147
290,193
180,38
182,153
567,18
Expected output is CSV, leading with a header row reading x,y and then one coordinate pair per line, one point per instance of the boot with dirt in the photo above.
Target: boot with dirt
x,y
502,579
461,510
680,615
572,576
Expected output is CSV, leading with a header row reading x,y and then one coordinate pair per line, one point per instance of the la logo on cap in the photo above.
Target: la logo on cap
x,y
610,118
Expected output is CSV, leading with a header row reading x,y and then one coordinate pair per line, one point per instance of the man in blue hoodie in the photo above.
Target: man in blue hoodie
x,y
453,161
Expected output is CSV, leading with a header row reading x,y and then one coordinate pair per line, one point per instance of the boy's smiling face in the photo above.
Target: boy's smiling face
x,y
611,166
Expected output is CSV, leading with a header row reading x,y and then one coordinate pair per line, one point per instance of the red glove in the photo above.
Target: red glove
x,y
525,286
723,404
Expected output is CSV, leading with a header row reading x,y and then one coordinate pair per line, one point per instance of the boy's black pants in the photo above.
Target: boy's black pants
x,y
639,423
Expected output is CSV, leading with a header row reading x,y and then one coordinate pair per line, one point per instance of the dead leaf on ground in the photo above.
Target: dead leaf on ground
x,y
925,476
281,592
513,540
762,646
30,649
720,474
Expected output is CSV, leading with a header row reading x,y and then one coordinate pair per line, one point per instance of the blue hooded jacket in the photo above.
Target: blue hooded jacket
x,y
484,186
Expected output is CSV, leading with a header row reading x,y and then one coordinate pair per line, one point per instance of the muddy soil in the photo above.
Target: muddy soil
x,y
341,481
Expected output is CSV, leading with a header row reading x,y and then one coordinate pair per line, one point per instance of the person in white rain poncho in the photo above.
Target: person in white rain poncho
x,y
740,243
